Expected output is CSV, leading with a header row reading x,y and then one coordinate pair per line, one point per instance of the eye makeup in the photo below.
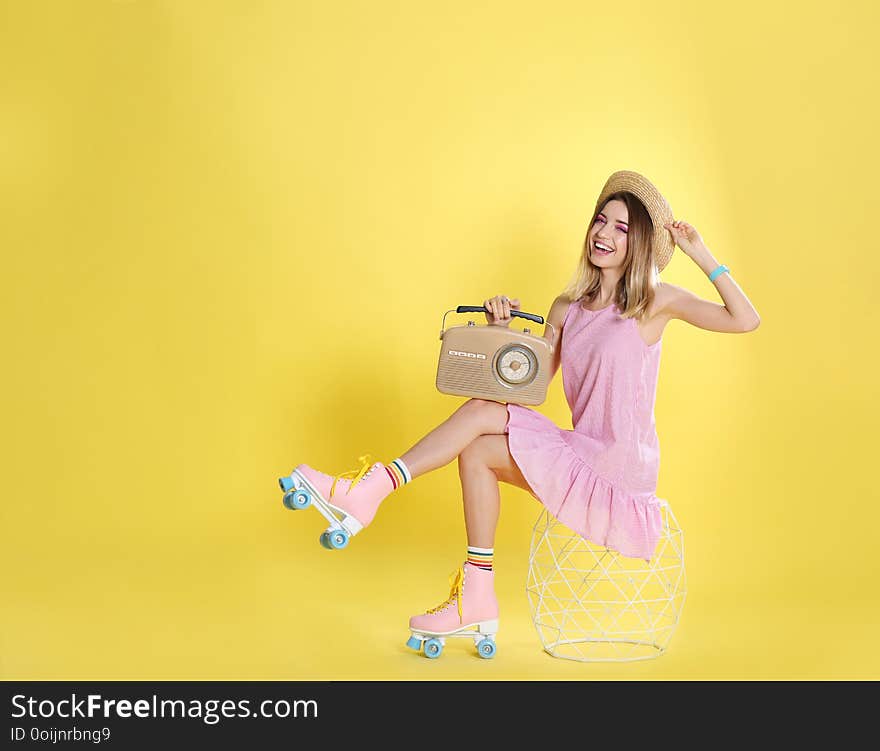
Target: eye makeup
x,y
621,227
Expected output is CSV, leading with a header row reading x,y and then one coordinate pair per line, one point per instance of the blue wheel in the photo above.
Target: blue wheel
x,y
338,539
414,643
433,648
286,483
301,499
297,500
486,648
324,539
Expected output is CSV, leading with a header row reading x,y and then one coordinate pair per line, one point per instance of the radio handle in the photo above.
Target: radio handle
x,y
482,309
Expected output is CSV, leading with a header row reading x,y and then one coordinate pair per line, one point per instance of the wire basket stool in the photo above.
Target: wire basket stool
x,y
592,604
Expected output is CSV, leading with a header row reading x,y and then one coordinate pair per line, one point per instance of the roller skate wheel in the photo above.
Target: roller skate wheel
x,y
486,648
286,483
414,643
324,539
301,499
433,648
297,500
338,539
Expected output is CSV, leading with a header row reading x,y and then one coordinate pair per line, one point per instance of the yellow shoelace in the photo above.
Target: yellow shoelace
x,y
456,581
366,460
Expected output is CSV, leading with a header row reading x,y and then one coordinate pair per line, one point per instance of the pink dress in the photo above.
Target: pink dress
x,y
599,478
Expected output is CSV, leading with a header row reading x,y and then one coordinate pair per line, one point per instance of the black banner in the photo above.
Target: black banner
x,y
269,714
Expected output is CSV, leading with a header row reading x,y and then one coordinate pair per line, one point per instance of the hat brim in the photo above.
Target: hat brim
x,y
657,206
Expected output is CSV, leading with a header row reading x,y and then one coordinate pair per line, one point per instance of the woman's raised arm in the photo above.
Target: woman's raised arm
x,y
737,315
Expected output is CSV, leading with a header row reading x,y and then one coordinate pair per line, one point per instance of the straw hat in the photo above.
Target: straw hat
x,y
655,203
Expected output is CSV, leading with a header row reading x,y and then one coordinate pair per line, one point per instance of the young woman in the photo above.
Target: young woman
x,y
598,479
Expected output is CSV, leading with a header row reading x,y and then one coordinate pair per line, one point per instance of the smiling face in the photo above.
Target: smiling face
x,y
609,230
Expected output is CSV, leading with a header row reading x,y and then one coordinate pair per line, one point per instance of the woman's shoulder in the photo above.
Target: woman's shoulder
x,y
563,301
664,295
559,308
556,316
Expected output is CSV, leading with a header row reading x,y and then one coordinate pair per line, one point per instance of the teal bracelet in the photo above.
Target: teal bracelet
x,y
715,274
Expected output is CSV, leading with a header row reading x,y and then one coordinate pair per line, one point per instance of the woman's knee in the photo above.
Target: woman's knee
x,y
491,416
492,452
475,454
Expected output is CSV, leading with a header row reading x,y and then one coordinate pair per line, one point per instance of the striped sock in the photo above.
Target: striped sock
x,y
481,557
399,473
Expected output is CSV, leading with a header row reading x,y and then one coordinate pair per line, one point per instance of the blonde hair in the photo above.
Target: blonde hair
x,y
635,289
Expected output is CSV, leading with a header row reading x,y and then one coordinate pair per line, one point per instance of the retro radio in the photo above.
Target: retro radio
x,y
494,362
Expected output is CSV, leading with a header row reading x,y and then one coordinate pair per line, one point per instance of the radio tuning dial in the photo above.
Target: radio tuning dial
x,y
516,365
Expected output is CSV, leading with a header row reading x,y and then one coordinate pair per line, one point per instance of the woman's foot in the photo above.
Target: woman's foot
x,y
471,605
357,498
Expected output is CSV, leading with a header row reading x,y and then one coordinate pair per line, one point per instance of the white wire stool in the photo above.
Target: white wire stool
x,y
592,604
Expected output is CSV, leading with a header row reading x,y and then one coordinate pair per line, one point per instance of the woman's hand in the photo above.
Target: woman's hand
x,y
686,237
498,310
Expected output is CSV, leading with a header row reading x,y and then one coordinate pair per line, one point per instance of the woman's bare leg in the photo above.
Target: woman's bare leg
x,y
482,503
472,419
484,463
475,434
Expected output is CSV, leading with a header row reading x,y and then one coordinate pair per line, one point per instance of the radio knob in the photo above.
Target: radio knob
x,y
471,323
527,331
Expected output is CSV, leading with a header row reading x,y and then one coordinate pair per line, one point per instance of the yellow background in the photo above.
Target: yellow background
x,y
230,231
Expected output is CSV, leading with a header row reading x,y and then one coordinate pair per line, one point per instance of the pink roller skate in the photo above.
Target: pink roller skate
x,y
349,505
470,611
